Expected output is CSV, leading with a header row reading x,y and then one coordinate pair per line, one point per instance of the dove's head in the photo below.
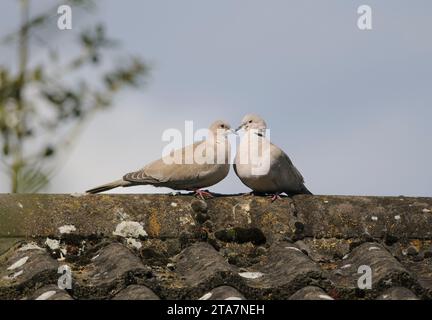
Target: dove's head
x,y
220,129
252,121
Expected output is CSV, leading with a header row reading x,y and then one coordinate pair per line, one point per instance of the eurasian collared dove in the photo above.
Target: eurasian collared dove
x,y
191,168
262,166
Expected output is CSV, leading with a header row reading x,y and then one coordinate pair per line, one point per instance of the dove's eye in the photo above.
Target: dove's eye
x,y
250,121
222,126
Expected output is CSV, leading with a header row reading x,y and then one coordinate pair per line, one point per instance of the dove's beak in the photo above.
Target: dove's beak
x,y
239,128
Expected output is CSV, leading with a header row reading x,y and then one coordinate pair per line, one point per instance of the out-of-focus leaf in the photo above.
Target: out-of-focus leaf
x,y
23,119
86,40
95,58
33,23
130,75
102,100
49,151
38,74
6,148
54,97
29,133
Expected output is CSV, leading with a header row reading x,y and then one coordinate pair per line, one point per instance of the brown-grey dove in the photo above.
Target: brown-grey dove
x,y
263,166
191,168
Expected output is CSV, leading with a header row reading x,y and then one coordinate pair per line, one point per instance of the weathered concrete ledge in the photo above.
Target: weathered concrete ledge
x,y
168,216
179,247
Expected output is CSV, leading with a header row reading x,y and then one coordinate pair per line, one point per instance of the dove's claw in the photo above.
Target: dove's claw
x,y
203,194
275,197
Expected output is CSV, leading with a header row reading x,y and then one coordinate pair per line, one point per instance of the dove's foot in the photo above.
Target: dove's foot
x,y
275,197
203,194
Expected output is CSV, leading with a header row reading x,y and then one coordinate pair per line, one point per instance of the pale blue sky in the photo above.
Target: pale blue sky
x,y
351,108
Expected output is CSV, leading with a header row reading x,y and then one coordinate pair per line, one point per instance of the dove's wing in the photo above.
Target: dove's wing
x,y
182,174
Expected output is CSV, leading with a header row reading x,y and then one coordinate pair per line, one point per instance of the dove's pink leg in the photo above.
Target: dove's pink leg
x,y
275,196
202,194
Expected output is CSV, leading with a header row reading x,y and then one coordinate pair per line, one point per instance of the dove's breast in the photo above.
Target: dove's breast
x,y
253,164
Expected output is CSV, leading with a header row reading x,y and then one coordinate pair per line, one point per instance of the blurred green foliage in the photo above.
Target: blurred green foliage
x,y
42,110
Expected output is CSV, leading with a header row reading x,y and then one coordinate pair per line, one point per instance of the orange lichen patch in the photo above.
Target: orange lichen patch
x,y
154,225
417,244
330,244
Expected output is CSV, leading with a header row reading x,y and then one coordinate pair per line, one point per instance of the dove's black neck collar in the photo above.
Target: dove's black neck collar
x,y
259,134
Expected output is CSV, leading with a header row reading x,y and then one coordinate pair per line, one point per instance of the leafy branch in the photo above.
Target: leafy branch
x,y
44,107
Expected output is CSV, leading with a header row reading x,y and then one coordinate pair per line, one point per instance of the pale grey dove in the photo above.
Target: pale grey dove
x,y
191,168
263,166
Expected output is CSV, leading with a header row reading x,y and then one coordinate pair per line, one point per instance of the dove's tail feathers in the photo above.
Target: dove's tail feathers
x,y
111,185
305,190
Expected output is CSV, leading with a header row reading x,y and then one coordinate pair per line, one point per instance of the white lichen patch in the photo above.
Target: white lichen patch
x,y
95,257
53,244
346,266
20,205
233,298
345,257
187,219
77,194
374,218
206,296
46,295
19,263
251,275
325,297
134,243
397,217
426,210
248,217
293,248
66,229
326,201
245,208
173,204
130,229
30,246
373,248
